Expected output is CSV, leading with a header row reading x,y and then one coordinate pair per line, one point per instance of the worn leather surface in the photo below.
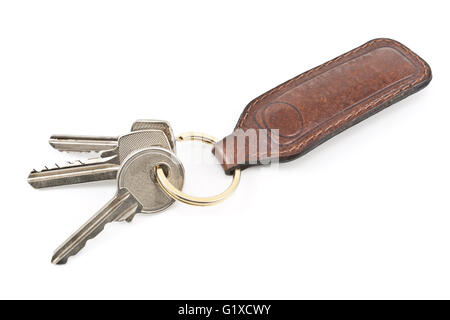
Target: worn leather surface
x,y
316,105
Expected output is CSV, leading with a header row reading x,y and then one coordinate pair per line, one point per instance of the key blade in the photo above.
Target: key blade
x,y
74,172
80,143
122,203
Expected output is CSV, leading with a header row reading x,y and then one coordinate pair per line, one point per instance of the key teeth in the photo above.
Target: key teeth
x,y
57,259
56,166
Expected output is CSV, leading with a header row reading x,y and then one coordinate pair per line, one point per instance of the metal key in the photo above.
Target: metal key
x,y
138,191
81,143
102,168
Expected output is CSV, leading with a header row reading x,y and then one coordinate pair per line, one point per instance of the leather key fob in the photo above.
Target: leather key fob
x,y
318,104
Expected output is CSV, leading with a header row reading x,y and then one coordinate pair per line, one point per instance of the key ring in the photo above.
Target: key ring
x,y
176,194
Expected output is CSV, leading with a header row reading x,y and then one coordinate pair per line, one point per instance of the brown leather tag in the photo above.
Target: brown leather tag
x,y
300,114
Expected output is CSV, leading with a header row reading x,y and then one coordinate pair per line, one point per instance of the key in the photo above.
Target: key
x,y
81,143
137,192
103,168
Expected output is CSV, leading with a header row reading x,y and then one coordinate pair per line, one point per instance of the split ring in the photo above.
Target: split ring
x,y
177,194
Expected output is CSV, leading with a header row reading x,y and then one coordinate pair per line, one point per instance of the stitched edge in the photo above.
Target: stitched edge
x,y
355,113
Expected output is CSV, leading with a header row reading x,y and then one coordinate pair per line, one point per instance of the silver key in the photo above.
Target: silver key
x,y
102,168
80,143
138,191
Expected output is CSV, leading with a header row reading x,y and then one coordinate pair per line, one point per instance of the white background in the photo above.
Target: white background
x,y
365,215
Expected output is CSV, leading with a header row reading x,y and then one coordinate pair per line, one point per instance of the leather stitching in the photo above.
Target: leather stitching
x,y
355,113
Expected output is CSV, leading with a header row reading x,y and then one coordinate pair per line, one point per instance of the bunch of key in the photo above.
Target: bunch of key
x,y
132,160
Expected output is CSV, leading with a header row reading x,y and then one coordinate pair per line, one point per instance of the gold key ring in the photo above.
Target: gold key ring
x,y
176,194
